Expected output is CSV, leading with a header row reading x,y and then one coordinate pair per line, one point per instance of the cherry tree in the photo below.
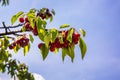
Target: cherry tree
x,y
34,24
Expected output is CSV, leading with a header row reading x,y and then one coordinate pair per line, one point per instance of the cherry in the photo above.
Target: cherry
x,y
11,46
14,44
26,19
40,45
23,41
57,43
27,25
21,19
75,37
52,49
35,32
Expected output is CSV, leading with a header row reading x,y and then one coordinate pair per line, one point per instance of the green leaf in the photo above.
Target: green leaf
x,y
31,18
51,18
70,33
47,39
17,47
71,52
54,33
53,11
15,17
42,33
33,10
19,14
31,15
64,53
6,42
68,51
64,26
31,38
39,23
44,51
26,49
44,23
83,32
23,29
83,47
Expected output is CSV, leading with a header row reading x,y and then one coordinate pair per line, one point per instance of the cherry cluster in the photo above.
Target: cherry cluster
x,y
28,26
65,44
44,14
22,42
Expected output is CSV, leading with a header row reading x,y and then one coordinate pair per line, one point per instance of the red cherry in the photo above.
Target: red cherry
x,y
18,41
27,25
40,45
66,43
52,49
75,37
14,44
26,19
11,47
57,43
35,32
21,19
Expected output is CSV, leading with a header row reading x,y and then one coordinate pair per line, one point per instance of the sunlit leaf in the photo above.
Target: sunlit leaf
x,y
47,39
31,38
83,47
71,52
42,33
83,32
64,26
33,10
39,24
54,33
17,47
64,53
26,49
44,51
15,17
70,33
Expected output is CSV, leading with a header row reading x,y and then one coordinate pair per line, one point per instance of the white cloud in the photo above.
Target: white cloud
x,y
38,76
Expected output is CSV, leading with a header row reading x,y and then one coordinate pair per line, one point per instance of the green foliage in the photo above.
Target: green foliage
x,y
70,33
31,38
26,49
83,47
64,25
83,32
15,17
4,2
68,51
34,23
53,34
44,51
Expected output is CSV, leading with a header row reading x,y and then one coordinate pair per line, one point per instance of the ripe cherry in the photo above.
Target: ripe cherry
x,y
11,46
35,32
52,49
40,45
26,19
75,37
21,19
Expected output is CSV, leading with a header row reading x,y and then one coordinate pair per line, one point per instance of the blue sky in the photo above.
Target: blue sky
x,y
100,19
